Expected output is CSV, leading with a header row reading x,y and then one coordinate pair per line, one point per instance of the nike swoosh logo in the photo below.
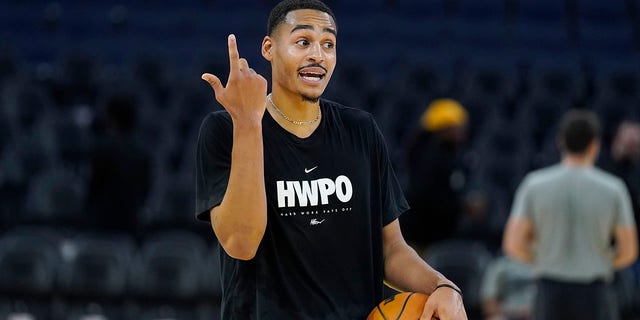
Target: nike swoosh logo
x,y
309,170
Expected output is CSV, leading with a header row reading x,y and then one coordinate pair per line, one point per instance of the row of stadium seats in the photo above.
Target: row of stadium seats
x,y
52,274
590,11
49,123
59,275
42,30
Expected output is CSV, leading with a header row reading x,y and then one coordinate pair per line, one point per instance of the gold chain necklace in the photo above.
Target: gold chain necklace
x,y
296,122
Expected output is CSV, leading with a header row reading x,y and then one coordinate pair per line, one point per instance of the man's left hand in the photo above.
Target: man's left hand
x,y
444,304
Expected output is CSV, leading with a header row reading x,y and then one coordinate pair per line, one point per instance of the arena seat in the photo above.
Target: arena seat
x,y
493,79
594,12
620,81
483,112
55,197
488,36
558,79
9,64
542,11
169,266
95,276
502,172
173,312
540,39
430,78
358,7
168,278
538,117
97,266
26,104
29,262
607,42
428,9
475,11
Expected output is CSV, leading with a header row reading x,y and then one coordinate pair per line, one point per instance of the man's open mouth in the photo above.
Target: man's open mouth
x,y
311,76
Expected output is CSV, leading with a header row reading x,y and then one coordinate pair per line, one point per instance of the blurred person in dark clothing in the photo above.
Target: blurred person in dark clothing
x,y
477,221
625,163
120,175
625,160
436,174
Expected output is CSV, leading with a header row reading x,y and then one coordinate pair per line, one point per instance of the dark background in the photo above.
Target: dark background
x,y
101,102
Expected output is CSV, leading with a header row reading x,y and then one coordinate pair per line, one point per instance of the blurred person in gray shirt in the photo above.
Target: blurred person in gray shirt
x,y
563,220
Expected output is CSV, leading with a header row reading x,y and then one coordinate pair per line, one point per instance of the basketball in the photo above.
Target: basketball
x,y
405,305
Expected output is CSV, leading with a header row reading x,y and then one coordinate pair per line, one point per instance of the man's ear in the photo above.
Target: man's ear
x,y
594,147
267,45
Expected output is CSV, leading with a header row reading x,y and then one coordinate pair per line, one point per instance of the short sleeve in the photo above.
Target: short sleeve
x,y
393,200
625,212
521,203
213,162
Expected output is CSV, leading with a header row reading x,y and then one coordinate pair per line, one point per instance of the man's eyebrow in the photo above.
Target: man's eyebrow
x,y
310,27
330,30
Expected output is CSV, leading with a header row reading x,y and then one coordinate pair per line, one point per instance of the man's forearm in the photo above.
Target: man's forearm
x,y
406,271
518,240
626,239
621,262
241,218
522,254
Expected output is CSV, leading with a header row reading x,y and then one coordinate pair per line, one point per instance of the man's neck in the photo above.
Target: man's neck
x,y
574,160
294,107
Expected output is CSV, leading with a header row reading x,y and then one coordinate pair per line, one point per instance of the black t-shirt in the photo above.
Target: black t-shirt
x,y
328,198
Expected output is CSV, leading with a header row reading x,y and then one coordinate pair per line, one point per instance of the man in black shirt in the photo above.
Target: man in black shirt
x,y
303,198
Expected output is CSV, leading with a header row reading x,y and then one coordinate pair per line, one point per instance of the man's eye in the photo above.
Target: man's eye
x,y
329,45
302,42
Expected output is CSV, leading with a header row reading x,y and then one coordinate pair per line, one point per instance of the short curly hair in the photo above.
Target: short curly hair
x,y
280,11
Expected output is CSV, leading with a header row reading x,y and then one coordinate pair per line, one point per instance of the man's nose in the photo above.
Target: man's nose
x,y
316,53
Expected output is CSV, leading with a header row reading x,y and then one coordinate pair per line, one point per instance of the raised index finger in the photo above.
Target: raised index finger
x,y
233,53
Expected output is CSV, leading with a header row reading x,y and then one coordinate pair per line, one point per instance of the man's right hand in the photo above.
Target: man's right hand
x,y
244,96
